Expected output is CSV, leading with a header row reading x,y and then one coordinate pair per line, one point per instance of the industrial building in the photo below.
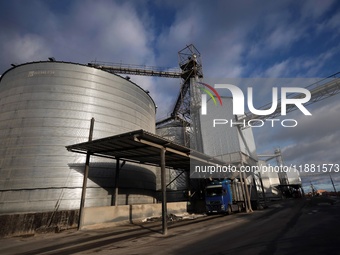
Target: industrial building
x,y
46,106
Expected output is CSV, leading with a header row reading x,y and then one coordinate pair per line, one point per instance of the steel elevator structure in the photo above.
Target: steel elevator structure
x,y
185,112
190,71
186,108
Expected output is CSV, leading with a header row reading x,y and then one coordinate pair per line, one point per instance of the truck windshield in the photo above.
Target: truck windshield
x,y
211,192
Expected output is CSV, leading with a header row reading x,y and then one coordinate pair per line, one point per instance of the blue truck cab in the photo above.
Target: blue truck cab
x,y
219,198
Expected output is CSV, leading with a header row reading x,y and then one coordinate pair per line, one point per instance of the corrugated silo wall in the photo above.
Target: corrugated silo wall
x,y
45,106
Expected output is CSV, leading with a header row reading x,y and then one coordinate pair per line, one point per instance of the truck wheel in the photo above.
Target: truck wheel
x,y
229,211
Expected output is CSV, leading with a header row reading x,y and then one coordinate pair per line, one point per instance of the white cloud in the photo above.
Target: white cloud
x,y
331,25
26,48
107,31
283,37
278,70
315,9
236,39
313,140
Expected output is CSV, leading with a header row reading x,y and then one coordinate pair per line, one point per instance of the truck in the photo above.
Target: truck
x,y
224,196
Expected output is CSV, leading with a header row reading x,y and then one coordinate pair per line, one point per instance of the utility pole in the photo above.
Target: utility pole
x,y
313,189
332,183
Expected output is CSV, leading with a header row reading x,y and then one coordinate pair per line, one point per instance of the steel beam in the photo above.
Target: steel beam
x,y
163,183
117,180
137,70
86,173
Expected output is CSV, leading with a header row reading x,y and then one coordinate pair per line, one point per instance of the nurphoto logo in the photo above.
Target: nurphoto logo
x,y
278,104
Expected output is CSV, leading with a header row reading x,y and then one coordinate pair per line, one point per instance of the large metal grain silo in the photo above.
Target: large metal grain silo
x,y
45,106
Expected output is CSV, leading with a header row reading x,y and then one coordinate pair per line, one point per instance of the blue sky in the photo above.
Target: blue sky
x,y
244,38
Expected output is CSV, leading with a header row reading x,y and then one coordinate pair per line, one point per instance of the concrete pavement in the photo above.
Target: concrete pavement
x,y
280,229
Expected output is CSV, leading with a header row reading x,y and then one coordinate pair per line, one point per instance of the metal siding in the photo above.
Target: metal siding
x,y
270,181
224,141
175,133
42,112
172,133
247,142
293,176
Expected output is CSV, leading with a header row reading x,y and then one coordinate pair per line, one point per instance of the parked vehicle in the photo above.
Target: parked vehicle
x,y
224,197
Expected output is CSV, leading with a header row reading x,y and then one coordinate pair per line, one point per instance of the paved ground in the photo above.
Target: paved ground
x,y
290,227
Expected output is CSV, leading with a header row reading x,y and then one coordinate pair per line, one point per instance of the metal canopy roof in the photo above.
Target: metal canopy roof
x,y
144,147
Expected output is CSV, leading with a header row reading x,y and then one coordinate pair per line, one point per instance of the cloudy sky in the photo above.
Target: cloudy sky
x,y
243,39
